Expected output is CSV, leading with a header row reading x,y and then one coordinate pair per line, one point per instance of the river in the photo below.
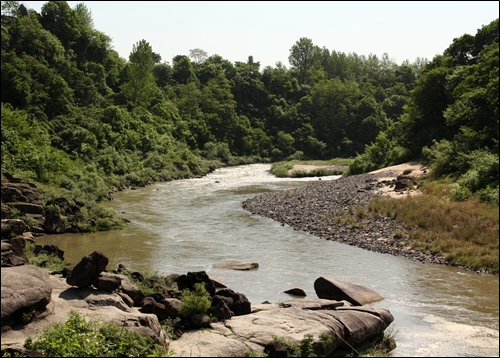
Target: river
x,y
193,224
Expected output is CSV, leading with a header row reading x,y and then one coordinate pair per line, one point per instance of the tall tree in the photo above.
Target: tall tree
x,y
303,55
141,85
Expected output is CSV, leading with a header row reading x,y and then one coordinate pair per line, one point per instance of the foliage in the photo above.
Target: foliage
x,y
51,262
451,118
196,301
76,116
150,282
79,337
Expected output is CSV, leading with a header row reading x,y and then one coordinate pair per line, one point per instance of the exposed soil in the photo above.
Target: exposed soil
x,y
315,209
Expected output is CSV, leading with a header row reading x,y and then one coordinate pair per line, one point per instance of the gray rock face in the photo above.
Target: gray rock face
x,y
337,290
23,288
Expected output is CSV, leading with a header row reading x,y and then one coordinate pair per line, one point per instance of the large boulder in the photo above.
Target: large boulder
x,y
24,288
331,289
87,270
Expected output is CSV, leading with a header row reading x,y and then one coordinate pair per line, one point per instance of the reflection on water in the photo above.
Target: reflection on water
x,y
191,225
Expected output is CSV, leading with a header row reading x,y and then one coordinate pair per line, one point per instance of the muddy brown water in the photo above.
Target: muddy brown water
x,y
191,225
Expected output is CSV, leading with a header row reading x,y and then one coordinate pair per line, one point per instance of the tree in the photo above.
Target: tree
x,y
198,55
141,85
303,55
183,71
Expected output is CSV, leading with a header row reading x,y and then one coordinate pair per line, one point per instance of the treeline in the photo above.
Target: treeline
x,y
450,119
78,117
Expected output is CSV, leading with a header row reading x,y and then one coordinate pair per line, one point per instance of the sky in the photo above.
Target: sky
x,y
267,30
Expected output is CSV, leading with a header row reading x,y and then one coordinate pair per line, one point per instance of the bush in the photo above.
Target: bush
x,y
195,302
51,262
78,337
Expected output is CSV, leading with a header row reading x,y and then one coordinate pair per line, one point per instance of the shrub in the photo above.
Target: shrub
x,y
195,302
78,337
51,262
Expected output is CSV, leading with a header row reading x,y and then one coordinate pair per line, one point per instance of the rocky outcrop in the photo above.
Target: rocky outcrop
x,y
110,307
239,327
27,199
346,325
24,289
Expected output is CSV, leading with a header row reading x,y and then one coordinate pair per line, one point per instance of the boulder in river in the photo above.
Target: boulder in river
x,y
235,265
331,289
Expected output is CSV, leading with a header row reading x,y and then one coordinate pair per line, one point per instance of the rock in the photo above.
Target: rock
x,y
24,288
235,265
296,292
27,208
220,311
108,283
131,290
231,338
126,298
240,304
18,243
199,321
150,305
337,290
87,269
13,227
276,348
191,278
49,250
108,307
54,225
172,307
217,283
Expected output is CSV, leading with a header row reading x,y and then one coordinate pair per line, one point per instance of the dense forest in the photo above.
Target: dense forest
x,y
79,121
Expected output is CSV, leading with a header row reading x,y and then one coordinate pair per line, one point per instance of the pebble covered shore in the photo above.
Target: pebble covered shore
x,y
315,209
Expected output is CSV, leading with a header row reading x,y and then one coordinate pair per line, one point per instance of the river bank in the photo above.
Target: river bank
x,y
333,210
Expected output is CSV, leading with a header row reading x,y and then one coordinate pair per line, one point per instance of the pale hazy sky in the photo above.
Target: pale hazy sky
x,y
267,30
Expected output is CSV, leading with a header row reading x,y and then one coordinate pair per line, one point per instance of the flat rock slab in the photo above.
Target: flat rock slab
x,y
331,289
235,265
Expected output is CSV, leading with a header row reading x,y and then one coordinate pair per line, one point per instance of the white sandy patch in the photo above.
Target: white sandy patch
x,y
417,170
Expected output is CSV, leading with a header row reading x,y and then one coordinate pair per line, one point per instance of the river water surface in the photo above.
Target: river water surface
x,y
193,224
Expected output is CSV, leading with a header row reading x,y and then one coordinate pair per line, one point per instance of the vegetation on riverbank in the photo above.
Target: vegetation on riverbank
x,y
78,124
284,169
465,233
